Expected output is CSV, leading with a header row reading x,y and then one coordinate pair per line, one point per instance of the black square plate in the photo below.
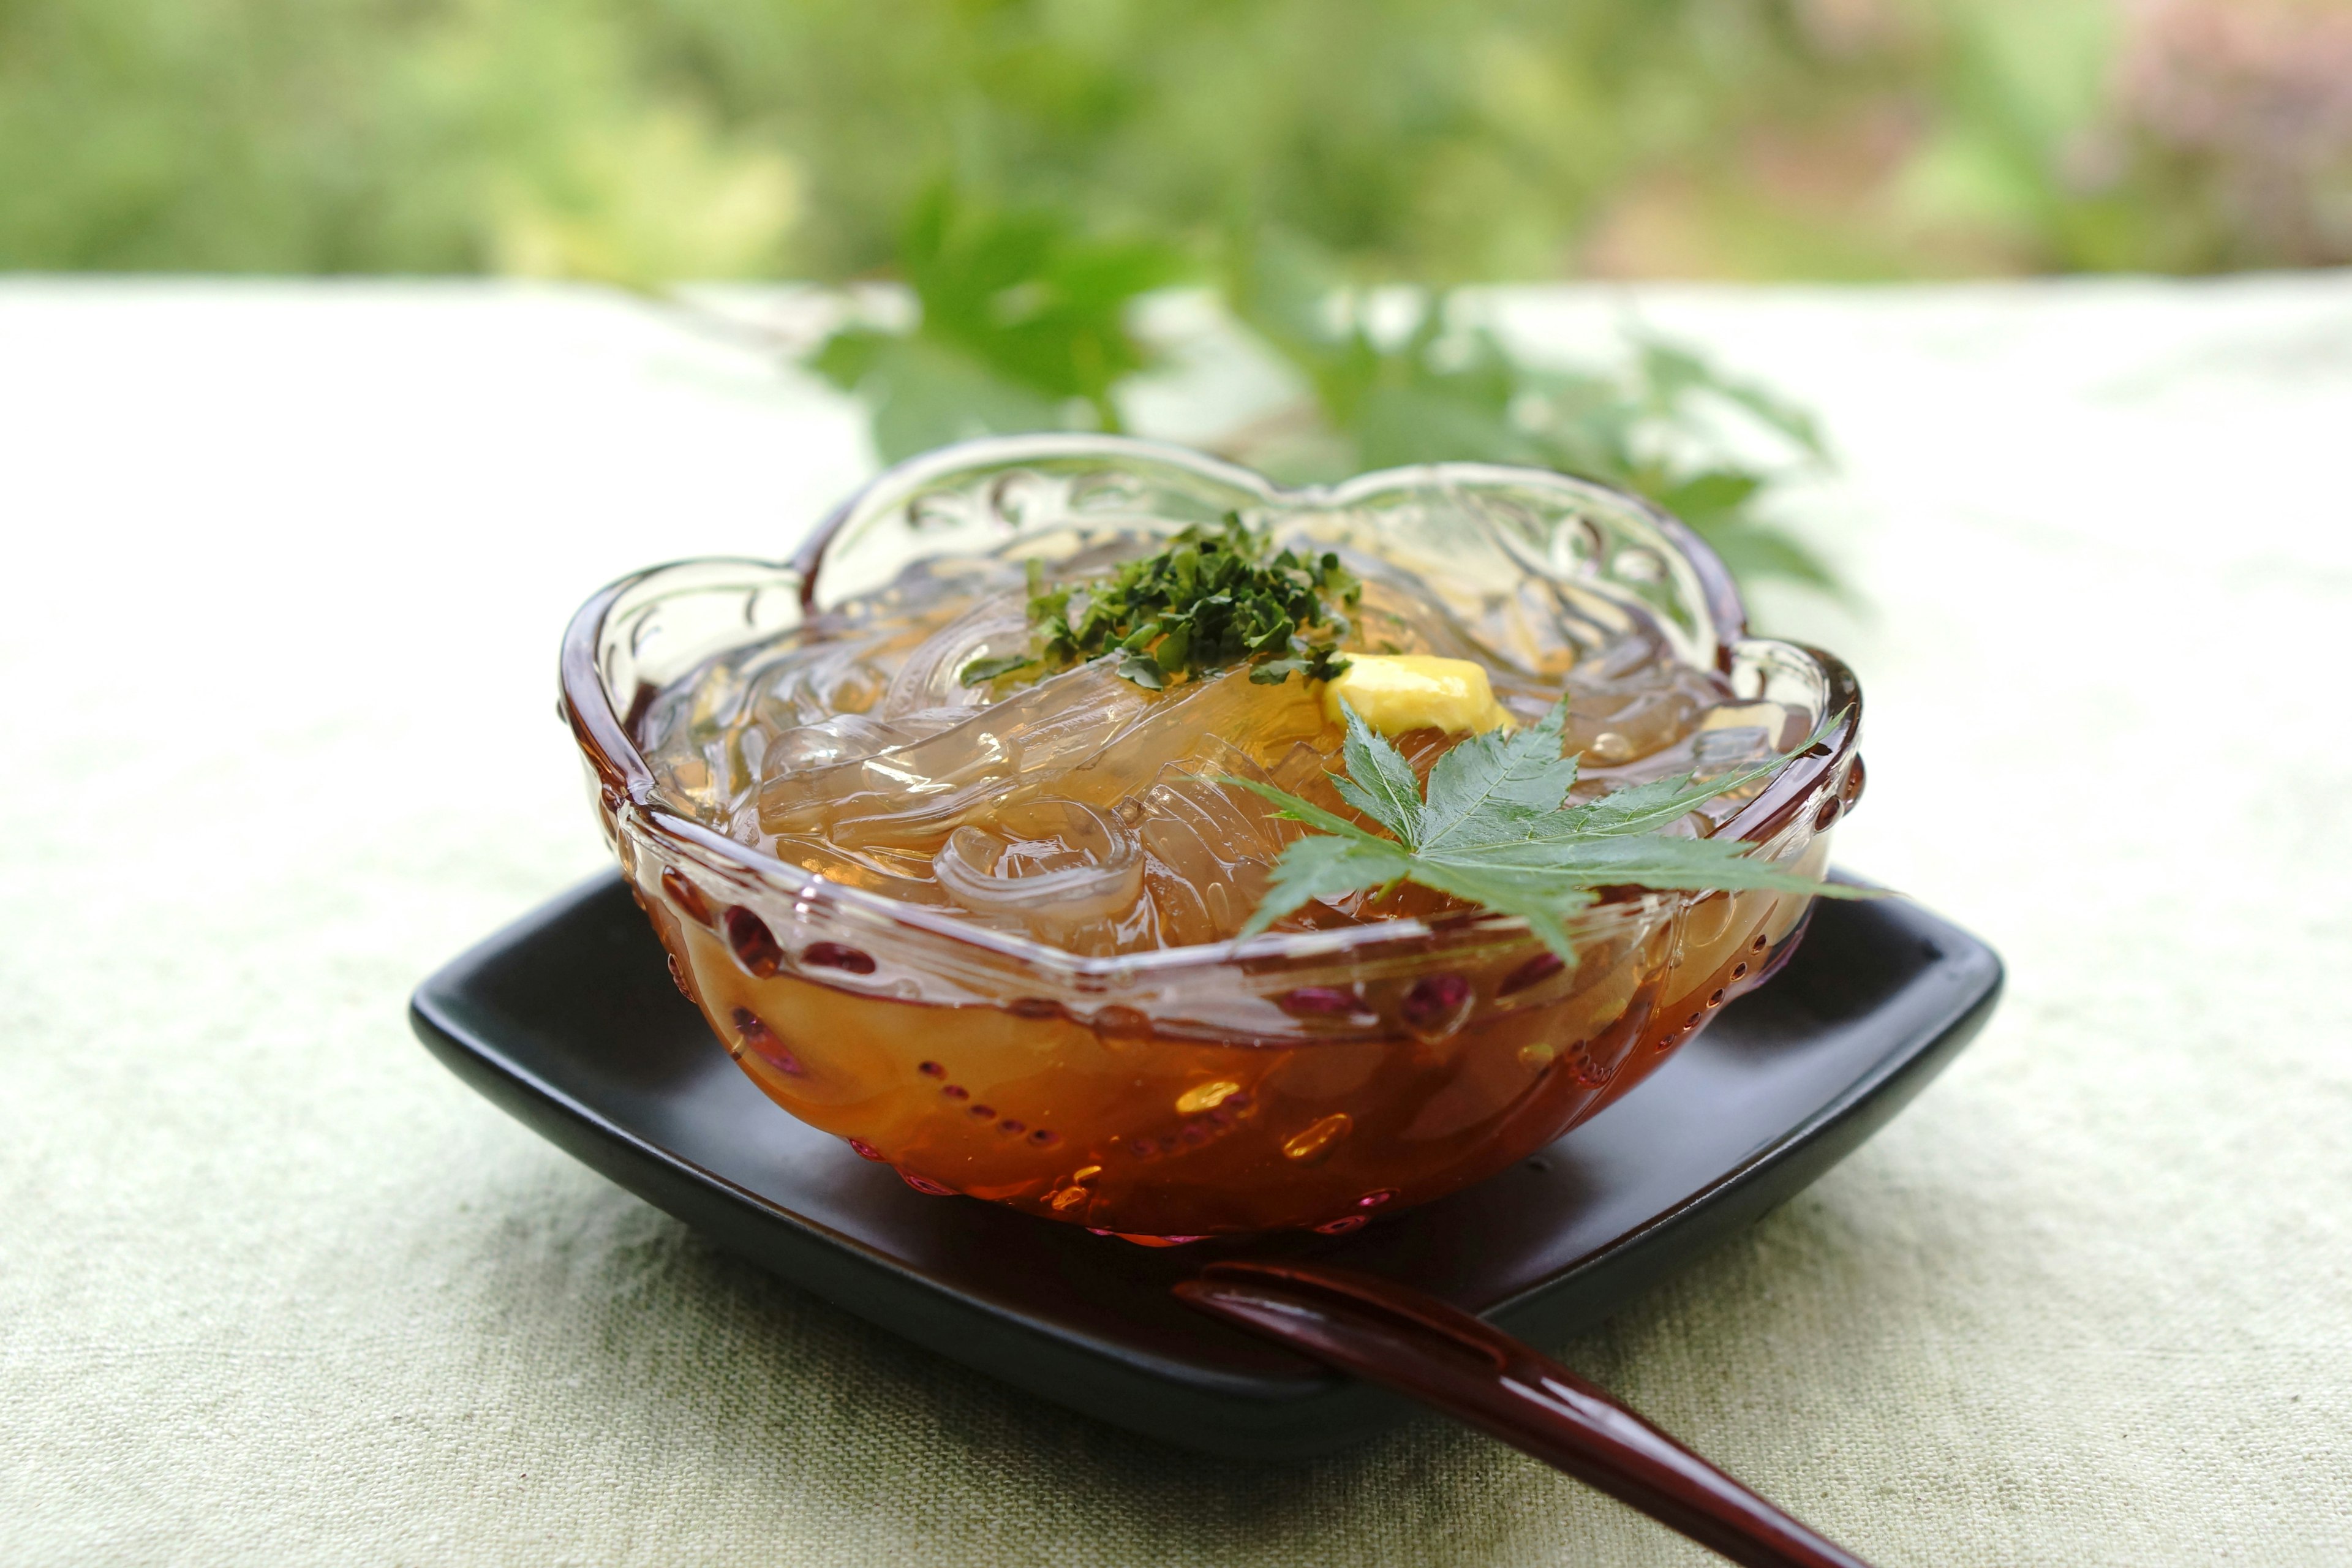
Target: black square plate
x,y
569,1021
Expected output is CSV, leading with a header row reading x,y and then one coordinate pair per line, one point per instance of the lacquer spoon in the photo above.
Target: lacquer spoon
x,y
1451,1362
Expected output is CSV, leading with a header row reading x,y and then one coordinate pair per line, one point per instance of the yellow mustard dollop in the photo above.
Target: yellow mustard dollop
x,y
1396,692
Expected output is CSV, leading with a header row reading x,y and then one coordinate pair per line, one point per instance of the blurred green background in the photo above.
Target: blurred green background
x,y
1029,172
1437,140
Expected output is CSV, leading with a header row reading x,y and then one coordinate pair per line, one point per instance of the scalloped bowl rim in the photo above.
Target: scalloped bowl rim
x,y
603,737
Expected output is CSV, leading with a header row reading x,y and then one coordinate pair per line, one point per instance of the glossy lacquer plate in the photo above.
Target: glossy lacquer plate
x,y
568,1020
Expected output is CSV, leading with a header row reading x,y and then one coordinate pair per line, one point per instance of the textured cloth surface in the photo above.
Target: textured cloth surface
x,y
286,565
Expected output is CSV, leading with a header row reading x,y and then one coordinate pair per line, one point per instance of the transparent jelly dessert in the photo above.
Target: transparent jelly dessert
x,y
995,928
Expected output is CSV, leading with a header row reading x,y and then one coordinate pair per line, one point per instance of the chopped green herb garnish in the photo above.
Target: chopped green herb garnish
x,y
1496,829
1208,599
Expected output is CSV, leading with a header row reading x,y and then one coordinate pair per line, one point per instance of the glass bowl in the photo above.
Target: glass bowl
x,y
1294,1080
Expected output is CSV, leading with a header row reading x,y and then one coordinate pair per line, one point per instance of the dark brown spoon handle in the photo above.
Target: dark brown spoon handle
x,y
1449,1360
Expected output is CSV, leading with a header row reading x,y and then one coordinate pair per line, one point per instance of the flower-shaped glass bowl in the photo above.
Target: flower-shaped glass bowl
x,y
1316,1080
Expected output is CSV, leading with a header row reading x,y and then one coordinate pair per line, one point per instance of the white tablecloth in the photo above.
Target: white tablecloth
x,y
285,566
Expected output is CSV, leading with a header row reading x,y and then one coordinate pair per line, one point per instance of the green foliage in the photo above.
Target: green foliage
x,y
1496,828
1449,139
1022,325
1446,388
1208,599
369,136
2021,88
1445,141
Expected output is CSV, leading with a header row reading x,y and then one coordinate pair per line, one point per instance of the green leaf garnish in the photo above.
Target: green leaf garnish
x,y
1494,828
1209,598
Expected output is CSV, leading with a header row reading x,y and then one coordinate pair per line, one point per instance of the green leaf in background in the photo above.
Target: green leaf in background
x,y
1716,502
1673,378
1444,386
921,393
1022,324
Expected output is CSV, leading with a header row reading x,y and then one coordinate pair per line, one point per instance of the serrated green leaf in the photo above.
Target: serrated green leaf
x,y
1319,866
1642,808
1484,835
1543,900
1306,811
1648,808
1478,781
1646,860
1378,783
